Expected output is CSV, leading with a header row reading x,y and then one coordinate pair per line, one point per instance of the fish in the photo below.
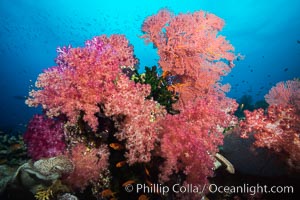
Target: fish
x,y
121,163
116,146
143,197
286,69
147,172
242,106
19,97
15,147
165,74
128,183
151,185
107,193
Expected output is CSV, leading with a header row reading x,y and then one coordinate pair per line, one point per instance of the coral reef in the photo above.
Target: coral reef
x,y
115,127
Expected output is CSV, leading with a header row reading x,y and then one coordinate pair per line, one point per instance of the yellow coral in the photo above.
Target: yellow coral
x,y
44,194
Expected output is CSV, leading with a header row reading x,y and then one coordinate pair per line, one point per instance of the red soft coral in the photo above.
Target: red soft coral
x,y
44,137
189,47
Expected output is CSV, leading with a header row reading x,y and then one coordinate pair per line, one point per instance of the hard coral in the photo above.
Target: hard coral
x,y
44,137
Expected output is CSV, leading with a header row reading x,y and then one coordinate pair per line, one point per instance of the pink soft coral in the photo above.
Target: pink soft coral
x,y
90,77
140,126
278,128
44,137
83,78
191,138
89,164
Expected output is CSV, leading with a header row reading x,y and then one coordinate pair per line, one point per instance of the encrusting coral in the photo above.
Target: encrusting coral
x,y
40,175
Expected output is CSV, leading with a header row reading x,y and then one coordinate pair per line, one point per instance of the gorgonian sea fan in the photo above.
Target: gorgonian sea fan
x,y
191,48
285,93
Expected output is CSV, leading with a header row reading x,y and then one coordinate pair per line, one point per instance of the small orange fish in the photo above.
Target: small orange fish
x,y
128,183
147,172
116,146
121,163
143,197
165,74
149,183
107,193
15,147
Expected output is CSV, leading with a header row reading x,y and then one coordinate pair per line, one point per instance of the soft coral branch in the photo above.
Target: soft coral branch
x,y
277,128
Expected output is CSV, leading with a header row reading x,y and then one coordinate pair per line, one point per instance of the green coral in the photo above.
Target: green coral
x,y
159,88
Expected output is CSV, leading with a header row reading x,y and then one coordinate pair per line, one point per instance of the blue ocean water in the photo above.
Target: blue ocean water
x,y
267,33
